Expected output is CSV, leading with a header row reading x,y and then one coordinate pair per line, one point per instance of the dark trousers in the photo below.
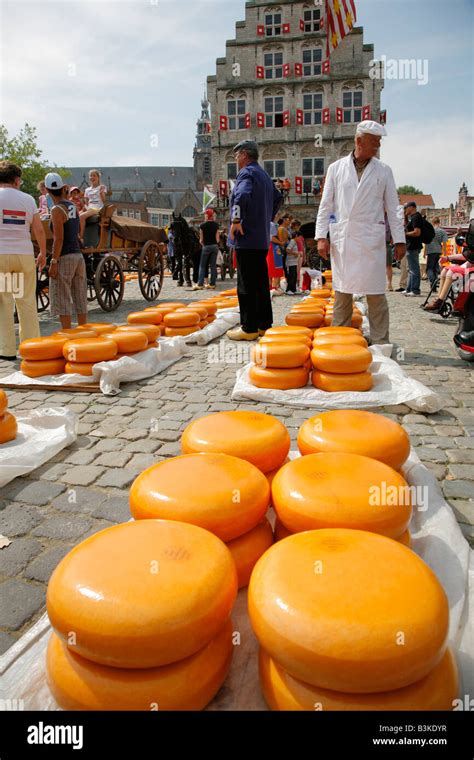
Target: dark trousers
x,y
432,266
252,290
291,278
196,259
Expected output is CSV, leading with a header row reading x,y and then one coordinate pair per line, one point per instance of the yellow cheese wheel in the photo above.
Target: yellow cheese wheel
x,y
75,332
287,339
203,324
50,347
280,379
172,332
321,293
332,331
152,332
100,327
281,531
248,548
3,402
354,431
289,329
90,350
309,306
308,319
348,610
143,594
79,368
356,320
145,318
340,340
8,427
259,438
41,368
211,308
163,310
436,691
332,383
405,538
341,359
229,292
341,491
199,309
211,318
280,355
128,342
190,684
168,305
182,318
232,497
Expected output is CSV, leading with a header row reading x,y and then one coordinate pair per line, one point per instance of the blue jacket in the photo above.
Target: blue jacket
x,y
255,201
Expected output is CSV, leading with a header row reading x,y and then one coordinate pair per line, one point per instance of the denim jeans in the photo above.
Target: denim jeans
x,y
432,266
208,259
414,277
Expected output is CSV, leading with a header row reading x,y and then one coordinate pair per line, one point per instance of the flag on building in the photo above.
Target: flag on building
x,y
208,197
341,16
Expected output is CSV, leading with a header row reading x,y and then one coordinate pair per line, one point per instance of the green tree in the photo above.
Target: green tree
x,y
409,190
22,149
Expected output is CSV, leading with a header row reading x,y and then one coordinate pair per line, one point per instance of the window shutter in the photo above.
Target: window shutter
x,y
299,116
301,24
326,67
260,120
247,121
286,118
298,69
260,72
223,188
286,70
261,30
339,115
366,112
223,123
286,28
326,116
298,185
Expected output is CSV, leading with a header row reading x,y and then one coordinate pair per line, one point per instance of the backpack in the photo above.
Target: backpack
x,y
427,231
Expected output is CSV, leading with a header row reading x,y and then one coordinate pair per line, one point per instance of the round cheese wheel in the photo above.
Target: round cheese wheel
x,y
281,531
168,305
321,293
341,491
341,359
340,340
163,310
172,332
332,383
348,610
229,292
354,431
248,548
203,324
8,427
436,691
143,594
332,331
79,368
287,339
356,320
128,342
289,330
259,438
280,355
309,306
90,350
199,309
308,319
145,318
280,379
190,684
3,402
76,332
232,497
182,318
50,347
40,368
405,538
211,308
100,327
152,332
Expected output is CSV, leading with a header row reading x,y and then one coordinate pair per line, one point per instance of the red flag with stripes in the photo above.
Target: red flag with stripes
x,y
341,16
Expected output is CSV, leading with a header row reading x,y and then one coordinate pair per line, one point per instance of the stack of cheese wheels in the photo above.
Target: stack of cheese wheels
x,y
129,342
281,364
43,356
341,366
350,620
231,500
8,425
100,328
211,307
258,438
150,317
141,619
82,353
181,322
152,332
356,316
309,313
339,490
201,309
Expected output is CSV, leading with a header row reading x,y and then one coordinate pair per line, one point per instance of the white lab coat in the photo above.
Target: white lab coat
x,y
358,251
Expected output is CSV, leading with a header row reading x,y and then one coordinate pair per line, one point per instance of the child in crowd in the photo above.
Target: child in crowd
x,y
292,259
94,198
43,205
76,198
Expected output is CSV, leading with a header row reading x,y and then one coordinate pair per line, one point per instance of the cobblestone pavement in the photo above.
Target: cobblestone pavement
x,y
85,487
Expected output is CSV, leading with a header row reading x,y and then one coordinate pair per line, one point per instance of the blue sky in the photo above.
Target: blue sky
x,y
105,80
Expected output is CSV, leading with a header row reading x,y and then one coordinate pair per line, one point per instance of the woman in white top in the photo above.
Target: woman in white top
x,y
94,198
18,217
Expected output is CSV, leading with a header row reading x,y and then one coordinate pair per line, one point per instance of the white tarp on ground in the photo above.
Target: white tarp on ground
x,y
436,537
42,433
128,369
392,386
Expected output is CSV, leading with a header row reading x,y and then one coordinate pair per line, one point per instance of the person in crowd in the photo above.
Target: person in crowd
x,y
389,249
209,238
279,185
94,199
359,189
316,187
284,234
286,186
254,203
75,197
298,237
171,253
413,227
434,250
293,258
459,268
43,205
67,269
19,217
275,261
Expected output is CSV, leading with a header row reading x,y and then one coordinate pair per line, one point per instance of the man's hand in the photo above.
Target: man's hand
x,y
400,251
236,227
41,261
323,248
53,269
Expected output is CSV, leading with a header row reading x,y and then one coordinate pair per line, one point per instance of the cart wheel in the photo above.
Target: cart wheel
x,y
151,270
445,310
91,294
109,283
42,291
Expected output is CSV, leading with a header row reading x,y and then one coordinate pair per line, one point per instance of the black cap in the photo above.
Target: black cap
x,y
249,145
409,204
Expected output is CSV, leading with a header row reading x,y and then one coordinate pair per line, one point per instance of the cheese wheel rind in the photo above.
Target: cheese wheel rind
x,y
172,332
42,349
182,318
41,368
281,379
145,317
310,319
248,548
8,427
90,350
152,332
3,402
341,359
279,356
128,342
337,383
79,368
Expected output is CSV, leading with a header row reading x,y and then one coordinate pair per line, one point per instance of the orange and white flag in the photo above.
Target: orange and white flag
x,y
341,16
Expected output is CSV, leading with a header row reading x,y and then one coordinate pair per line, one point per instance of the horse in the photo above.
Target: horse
x,y
184,242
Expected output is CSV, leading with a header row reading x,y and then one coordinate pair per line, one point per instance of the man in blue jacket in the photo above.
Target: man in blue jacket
x,y
253,204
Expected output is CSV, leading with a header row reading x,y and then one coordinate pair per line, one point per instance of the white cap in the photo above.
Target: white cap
x,y
371,128
53,181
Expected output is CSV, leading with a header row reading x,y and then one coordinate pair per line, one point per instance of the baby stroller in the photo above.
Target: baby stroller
x,y
464,304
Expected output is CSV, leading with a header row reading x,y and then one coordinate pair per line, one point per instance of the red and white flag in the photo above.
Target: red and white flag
x,y
341,16
13,217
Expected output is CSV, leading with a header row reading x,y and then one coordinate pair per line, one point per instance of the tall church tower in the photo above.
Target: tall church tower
x,y
202,148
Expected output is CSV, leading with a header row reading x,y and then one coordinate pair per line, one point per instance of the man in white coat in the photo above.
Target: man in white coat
x,y
358,190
